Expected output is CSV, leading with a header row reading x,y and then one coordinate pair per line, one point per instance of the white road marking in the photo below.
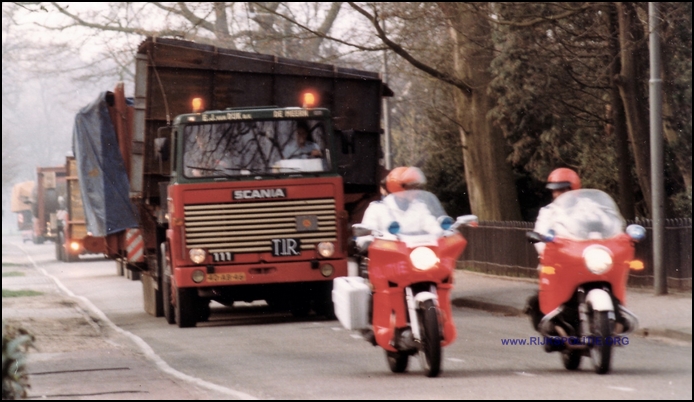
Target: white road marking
x,y
626,389
523,373
146,349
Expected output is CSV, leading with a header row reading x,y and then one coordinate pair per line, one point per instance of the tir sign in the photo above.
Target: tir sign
x,y
286,247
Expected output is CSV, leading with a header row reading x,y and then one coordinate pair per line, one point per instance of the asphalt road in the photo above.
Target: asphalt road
x,y
259,353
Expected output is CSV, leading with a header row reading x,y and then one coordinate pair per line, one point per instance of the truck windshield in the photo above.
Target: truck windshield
x,y
238,148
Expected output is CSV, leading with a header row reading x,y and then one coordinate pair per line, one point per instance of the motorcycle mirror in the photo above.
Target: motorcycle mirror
x,y
636,232
533,237
467,220
359,230
446,222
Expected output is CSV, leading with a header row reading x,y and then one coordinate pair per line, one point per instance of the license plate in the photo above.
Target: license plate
x,y
231,277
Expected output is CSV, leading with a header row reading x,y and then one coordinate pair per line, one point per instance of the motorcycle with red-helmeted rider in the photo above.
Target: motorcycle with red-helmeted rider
x,y
583,273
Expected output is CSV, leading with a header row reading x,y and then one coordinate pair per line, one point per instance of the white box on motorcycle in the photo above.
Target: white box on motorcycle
x,y
351,299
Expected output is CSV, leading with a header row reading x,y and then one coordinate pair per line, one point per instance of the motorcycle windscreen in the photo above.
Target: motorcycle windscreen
x,y
586,214
416,211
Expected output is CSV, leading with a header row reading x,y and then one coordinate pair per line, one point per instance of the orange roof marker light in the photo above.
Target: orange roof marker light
x,y
197,105
309,99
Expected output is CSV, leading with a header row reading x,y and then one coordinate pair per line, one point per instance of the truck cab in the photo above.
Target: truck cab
x,y
255,210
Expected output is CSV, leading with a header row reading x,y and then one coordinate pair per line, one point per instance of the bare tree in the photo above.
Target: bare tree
x,y
492,190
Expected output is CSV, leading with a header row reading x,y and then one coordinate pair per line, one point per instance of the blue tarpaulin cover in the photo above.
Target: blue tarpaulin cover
x,y
102,177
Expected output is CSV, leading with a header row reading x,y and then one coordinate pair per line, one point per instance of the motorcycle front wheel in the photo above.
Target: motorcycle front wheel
x,y
601,350
430,352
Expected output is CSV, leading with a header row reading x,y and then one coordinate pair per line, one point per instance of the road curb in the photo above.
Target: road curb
x,y
506,311
663,333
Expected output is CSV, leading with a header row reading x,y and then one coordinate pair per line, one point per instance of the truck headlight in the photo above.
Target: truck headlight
x,y
423,258
326,270
326,249
598,259
197,255
198,276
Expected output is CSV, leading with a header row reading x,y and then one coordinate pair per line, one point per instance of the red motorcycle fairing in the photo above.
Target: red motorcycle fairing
x,y
390,272
563,269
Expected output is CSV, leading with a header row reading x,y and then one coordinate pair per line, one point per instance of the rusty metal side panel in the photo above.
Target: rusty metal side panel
x,y
76,224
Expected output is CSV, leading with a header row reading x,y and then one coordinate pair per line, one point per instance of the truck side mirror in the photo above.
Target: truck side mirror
x,y
162,147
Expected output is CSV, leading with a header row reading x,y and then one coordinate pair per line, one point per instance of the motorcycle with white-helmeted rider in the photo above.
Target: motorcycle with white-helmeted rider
x,y
409,248
585,259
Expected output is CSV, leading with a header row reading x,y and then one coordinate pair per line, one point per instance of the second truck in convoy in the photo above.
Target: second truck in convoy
x,y
226,201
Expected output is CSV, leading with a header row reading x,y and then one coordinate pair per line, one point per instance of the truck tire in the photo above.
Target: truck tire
x,y
70,257
37,239
166,290
323,301
60,246
186,307
169,312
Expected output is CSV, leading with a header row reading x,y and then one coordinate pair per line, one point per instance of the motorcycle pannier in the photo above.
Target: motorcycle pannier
x,y
351,298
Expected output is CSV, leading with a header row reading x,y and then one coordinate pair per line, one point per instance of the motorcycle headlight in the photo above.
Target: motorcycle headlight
x,y
197,255
326,249
598,259
423,258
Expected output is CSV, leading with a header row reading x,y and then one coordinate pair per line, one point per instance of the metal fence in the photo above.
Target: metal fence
x,y
501,248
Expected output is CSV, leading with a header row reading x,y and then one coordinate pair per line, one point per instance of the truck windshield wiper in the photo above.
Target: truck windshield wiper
x,y
203,168
244,170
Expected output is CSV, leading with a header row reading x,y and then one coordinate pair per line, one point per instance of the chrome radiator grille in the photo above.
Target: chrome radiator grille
x,y
249,227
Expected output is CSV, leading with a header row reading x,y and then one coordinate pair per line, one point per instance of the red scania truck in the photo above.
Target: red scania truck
x,y
225,202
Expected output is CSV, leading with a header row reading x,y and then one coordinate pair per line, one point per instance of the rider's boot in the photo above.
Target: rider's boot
x,y
404,339
532,309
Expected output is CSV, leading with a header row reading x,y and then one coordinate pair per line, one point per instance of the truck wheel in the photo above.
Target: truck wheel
x,y
69,257
323,301
169,312
300,306
204,310
60,246
186,307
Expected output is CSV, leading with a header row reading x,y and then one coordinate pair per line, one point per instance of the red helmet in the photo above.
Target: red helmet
x,y
403,178
563,178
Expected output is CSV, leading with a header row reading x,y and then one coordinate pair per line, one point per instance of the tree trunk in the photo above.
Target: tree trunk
x,y
634,57
672,136
491,188
618,127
